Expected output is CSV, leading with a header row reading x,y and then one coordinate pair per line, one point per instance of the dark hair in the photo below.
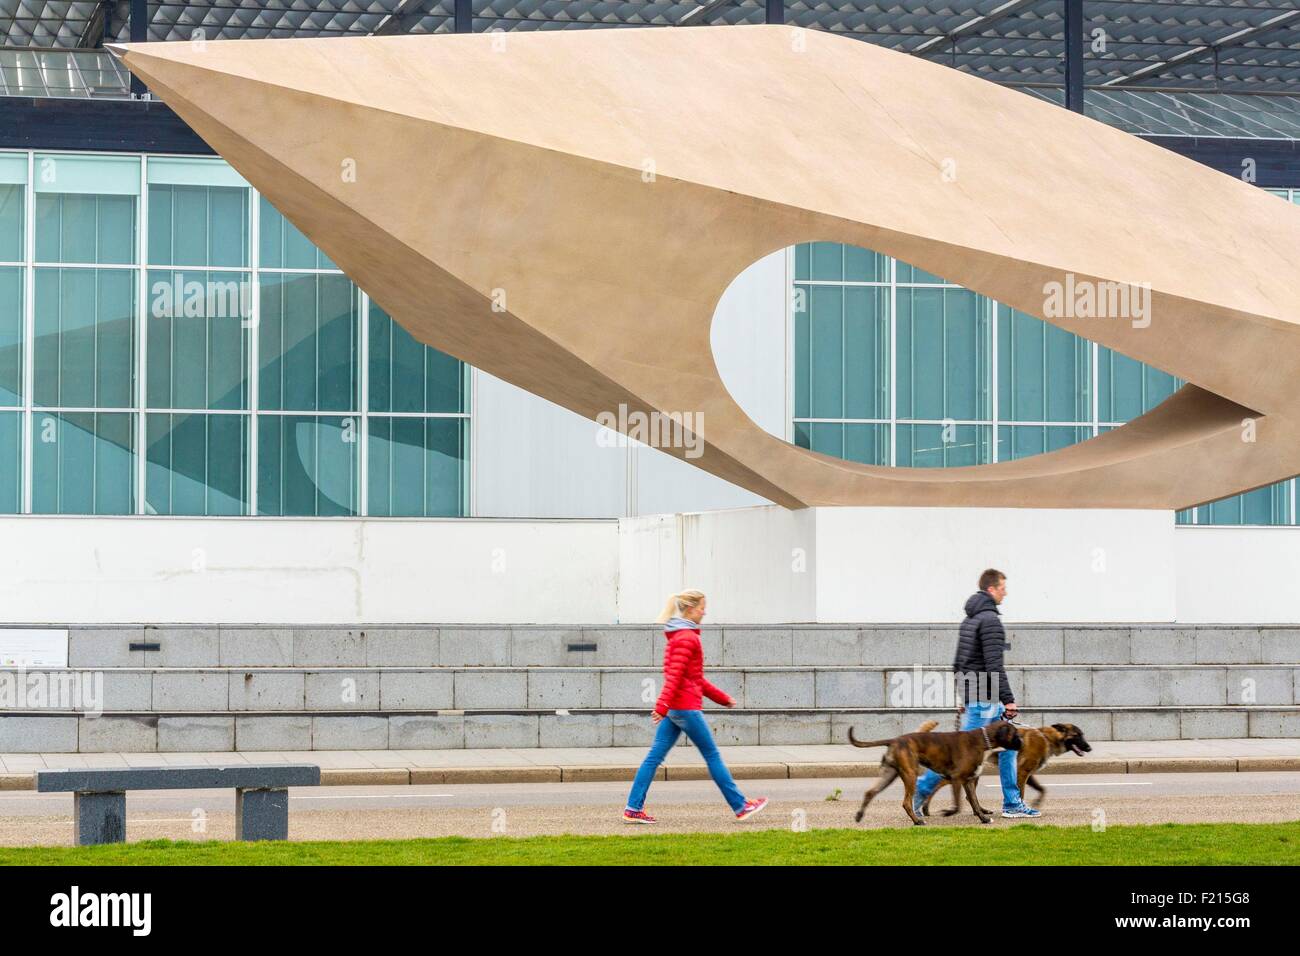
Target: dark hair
x,y
990,578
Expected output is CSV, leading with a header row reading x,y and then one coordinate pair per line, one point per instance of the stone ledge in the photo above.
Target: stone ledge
x,y
380,776
365,777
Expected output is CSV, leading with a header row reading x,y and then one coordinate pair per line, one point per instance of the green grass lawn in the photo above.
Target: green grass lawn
x,y
1025,844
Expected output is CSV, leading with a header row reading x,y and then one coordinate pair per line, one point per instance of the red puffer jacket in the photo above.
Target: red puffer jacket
x,y
684,683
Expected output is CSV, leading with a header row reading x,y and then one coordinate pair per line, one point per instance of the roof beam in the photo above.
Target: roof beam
x,y
974,25
139,34
699,13
1074,55
393,22
97,24
1201,51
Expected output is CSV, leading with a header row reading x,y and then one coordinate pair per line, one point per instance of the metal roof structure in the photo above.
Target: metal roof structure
x,y
1164,67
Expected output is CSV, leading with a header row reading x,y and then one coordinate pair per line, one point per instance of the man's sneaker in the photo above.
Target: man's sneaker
x,y
1024,810
750,808
637,816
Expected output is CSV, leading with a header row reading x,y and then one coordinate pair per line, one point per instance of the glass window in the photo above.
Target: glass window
x,y
842,368
86,208
282,246
836,262
906,272
197,347
1021,441
196,464
1044,373
198,225
866,444
1127,388
307,465
83,463
1269,506
11,337
198,213
417,466
307,339
943,446
407,376
13,195
11,462
85,337
943,354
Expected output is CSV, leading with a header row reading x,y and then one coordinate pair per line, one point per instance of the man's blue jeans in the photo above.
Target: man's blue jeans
x,y
670,728
976,715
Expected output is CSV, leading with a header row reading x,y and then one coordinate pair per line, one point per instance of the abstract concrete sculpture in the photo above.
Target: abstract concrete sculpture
x,y
565,209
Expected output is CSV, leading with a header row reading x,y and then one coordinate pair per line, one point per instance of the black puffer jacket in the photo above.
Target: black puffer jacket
x,y
980,644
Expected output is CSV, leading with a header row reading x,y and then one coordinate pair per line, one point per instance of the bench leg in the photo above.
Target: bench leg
x,y
99,818
261,814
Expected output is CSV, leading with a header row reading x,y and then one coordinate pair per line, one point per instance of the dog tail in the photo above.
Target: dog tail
x,y
928,726
868,743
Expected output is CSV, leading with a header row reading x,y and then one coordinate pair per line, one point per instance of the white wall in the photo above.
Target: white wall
x,y
1238,575
749,341
755,564
902,565
758,565
300,571
920,564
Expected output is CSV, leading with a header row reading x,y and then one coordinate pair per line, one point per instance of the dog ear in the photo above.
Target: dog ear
x,y
1061,727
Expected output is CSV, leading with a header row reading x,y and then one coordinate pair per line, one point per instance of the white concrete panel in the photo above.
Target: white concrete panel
x,y
755,564
534,459
749,341
294,571
1238,575
920,564
649,565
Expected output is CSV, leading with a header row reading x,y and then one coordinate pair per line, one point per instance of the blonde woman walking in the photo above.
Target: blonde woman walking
x,y
679,702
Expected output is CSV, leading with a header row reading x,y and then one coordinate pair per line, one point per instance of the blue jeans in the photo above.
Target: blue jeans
x,y
976,715
670,728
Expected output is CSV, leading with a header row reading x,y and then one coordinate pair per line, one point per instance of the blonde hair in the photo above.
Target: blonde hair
x,y
679,602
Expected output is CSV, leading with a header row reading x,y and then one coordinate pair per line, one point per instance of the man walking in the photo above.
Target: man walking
x,y
978,662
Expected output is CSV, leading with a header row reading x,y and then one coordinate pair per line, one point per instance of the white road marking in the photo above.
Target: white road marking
x,y
1135,783
372,796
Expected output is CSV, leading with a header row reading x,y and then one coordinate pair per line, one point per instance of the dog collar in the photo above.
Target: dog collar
x,y
985,732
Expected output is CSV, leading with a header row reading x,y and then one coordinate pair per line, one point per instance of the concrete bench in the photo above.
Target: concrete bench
x,y
99,796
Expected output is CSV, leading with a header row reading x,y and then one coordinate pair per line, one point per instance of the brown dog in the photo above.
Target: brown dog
x,y
1039,745
957,756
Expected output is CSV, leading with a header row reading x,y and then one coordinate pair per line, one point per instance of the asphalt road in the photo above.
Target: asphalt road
x,y
487,810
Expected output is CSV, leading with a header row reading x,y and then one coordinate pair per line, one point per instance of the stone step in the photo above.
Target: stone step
x,y
197,733
642,645
395,689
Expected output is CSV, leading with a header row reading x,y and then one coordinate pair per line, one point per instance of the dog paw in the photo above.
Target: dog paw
x,y
857,817
919,823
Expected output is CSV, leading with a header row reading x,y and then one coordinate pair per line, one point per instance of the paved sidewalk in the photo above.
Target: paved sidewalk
x,y
555,765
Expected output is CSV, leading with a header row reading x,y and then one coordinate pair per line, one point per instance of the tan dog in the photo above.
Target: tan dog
x,y
956,755
1040,744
